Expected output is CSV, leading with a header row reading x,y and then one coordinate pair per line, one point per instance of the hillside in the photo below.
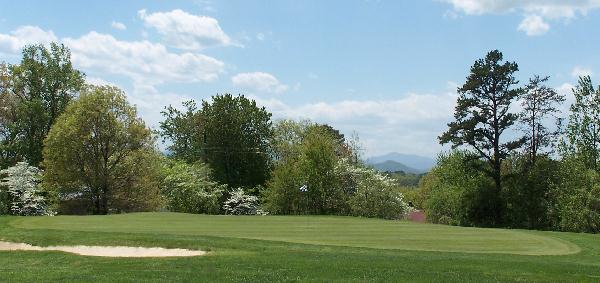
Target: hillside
x,y
393,166
419,164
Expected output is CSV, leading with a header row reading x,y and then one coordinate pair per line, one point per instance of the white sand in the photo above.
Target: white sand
x,y
104,251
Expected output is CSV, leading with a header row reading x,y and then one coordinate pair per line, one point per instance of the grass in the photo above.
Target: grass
x,y
295,248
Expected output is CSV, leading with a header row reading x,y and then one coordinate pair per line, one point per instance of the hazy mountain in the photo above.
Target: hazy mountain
x,y
393,166
420,163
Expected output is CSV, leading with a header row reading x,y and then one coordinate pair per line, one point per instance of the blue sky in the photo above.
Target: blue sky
x,y
385,69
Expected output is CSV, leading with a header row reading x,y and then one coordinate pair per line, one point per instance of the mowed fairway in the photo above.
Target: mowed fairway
x,y
294,248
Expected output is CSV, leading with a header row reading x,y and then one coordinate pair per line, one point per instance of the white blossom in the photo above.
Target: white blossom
x,y
22,183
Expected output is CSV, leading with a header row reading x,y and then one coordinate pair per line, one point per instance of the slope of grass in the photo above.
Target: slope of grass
x,y
341,249
319,230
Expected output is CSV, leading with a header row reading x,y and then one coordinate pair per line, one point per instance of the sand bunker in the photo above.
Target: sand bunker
x,y
104,251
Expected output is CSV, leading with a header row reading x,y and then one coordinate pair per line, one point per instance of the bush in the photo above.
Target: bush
x,y
458,192
189,188
23,193
526,191
240,203
372,194
576,198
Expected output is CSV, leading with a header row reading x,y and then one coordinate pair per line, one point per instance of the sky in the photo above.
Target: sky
x,y
385,70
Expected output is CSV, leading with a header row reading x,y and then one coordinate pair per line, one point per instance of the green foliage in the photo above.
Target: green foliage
x,y
538,102
406,179
458,192
526,190
37,90
237,140
413,196
99,151
287,135
583,128
482,115
183,129
231,134
189,188
312,156
576,198
312,164
372,194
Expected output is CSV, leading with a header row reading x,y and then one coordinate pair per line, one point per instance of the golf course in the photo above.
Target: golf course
x,y
292,248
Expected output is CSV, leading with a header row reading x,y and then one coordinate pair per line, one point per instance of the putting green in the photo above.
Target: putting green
x,y
318,230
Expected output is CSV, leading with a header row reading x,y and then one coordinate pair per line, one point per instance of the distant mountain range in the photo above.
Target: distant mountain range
x,y
408,163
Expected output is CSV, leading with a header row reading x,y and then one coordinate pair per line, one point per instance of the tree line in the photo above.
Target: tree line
x,y
72,148
523,169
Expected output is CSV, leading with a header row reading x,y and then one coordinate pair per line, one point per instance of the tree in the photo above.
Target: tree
x,y
483,114
95,151
237,135
526,190
583,129
44,83
25,195
457,193
312,165
231,134
576,197
8,119
538,102
183,129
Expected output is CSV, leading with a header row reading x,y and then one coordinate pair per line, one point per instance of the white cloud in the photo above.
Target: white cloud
x,y
260,36
98,81
408,124
146,64
259,81
186,31
579,71
536,12
143,61
13,43
534,25
553,9
118,25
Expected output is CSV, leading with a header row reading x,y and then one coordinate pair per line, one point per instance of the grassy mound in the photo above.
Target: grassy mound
x,y
317,230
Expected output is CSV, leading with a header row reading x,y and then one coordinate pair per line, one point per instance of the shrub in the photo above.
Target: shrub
x,y
189,188
458,192
23,191
526,191
576,198
240,203
372,194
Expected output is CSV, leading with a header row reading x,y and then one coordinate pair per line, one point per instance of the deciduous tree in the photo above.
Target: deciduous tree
x,y
95,151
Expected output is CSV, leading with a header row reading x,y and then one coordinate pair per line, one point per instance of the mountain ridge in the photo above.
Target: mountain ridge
x,y
419,164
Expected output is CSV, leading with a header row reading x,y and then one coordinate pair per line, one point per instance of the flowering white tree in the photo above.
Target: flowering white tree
x,y
372,193
22,182
241,204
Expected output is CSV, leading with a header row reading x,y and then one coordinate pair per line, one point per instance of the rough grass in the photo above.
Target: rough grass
x,y
274,248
